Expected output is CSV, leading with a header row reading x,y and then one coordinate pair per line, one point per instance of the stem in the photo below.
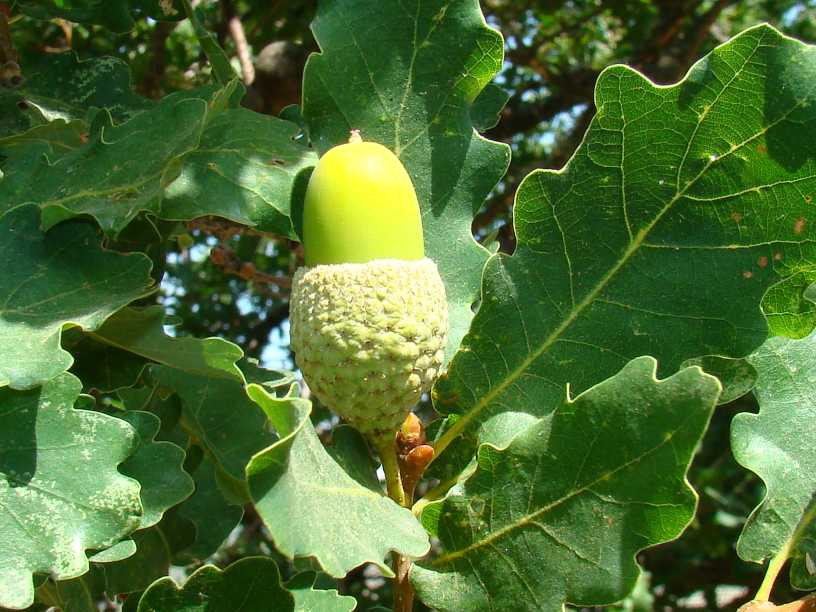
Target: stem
x,y
403,591
7,51
774,567
393,480
778,561
236,31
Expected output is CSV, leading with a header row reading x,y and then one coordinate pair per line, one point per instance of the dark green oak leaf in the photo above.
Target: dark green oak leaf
x,y
681,207
60,491
121,171
61,89
778,444
157,466
116,15
407,73
141,331
50,280
559,514
351,452
310,599
244,169
188,156
337,521
53,140
219,414
103,367
211,511
250,584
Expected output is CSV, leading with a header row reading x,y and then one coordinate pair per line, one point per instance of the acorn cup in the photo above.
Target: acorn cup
x,y
368,312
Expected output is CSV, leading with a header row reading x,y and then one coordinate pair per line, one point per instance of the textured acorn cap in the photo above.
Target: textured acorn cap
x,y
369,337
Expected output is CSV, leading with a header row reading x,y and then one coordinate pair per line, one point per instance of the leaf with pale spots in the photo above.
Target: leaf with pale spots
x,y
680,208
149,558
51,280
778,444
559,514
59,96
414,76
60,490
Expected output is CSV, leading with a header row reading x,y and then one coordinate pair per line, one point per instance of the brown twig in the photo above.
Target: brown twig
x,y
702,29
7,51
228,260
158,63
236,32
10,74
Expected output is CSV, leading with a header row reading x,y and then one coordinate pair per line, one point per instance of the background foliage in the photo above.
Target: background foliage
x,y
216,281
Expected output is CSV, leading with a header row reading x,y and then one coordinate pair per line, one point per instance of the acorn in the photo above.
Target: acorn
x,y
368,312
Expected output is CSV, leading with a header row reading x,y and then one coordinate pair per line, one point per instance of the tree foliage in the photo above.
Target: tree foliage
x,y
619,197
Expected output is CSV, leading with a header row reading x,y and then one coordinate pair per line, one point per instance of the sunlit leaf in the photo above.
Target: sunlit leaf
x,y
52,280
336,520
406,74
60,491
559,514
778,444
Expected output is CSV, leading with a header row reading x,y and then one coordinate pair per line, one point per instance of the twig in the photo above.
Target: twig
x,y
701,31
393,480
228,260
9,65
774,567
158,63
780,558
7,51
236,32
403,591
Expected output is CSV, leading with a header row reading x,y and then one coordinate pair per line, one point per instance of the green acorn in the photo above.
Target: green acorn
x,y
369,315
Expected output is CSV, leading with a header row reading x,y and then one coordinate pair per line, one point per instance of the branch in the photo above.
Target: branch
x,y
151,84
236,32
702,29
9,64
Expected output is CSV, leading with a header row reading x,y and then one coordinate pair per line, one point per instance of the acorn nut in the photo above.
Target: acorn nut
x,y
369,317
